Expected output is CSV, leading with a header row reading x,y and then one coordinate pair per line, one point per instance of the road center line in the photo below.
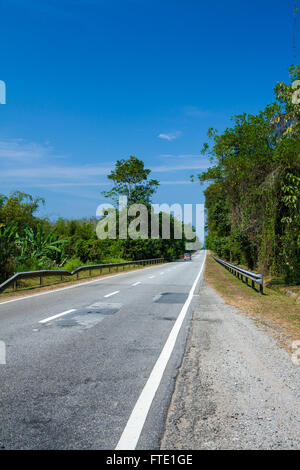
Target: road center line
x,y
112,293
135,423
58,315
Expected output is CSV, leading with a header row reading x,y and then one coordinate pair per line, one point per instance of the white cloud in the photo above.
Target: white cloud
x,y
68,172
67,185
170,136
33,165
21,150
176,182
166,168
80,173
181,156
24,161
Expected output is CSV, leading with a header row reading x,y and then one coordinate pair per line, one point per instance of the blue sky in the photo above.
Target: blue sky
x,y
89,82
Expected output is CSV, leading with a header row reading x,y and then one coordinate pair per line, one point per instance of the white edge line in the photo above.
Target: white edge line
x,y
58,315
112,293
136,421
84,283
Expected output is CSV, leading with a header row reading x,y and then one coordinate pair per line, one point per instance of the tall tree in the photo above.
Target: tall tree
x,y
130,179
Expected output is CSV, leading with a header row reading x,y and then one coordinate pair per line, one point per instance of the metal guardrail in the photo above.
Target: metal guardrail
x,y
62,272
241,273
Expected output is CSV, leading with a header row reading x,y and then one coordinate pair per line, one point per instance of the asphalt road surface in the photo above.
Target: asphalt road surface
x,y
93,366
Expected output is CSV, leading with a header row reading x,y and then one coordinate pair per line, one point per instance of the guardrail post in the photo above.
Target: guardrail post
x,y
261,288
41,280
243,273
77,275
15,286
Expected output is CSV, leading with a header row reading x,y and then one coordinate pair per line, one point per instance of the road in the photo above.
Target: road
x,y
93,366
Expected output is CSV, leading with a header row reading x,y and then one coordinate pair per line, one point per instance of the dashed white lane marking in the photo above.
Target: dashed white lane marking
x,y
151,277
136,283
135,423
162,273
112,293
58,315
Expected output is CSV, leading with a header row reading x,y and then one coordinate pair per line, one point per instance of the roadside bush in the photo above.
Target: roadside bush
x,y
72,264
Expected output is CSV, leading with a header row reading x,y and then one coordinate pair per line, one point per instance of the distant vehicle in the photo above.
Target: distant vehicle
x,y
187,257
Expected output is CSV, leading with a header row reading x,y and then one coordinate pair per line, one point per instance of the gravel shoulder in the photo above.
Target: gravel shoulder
x,y
236,388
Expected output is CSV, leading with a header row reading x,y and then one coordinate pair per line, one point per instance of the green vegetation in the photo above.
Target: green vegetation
x,y
29,243
253,201
280,314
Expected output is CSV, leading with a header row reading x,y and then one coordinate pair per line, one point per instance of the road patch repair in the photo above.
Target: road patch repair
x,y
236,388
170,298
86,317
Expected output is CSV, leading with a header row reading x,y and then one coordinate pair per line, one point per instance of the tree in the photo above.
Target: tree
x,y
130,179
253,201
19,207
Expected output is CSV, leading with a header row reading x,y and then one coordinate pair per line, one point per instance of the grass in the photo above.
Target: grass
x,y
273,310
280,286
25,286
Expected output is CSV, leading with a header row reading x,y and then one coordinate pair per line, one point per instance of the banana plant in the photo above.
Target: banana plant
x,y
37,244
